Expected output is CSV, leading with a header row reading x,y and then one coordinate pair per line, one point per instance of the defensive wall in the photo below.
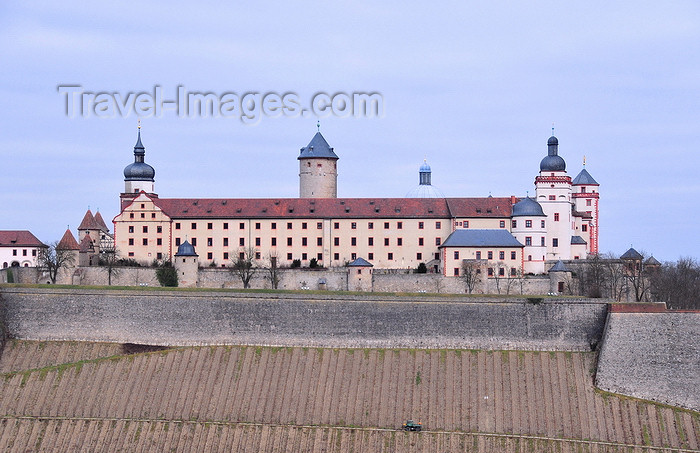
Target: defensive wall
x,y
293,319
651,353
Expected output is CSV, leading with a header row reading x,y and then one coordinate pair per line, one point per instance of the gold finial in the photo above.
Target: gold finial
x,y
139,123
584,160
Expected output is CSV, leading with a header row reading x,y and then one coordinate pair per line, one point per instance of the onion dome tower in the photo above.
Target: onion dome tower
x,y
425,188
318,169
139,176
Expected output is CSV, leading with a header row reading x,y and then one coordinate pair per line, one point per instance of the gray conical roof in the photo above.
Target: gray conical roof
x,y
186,249
360,262
559,267
631,254
317,147
527,207
584,178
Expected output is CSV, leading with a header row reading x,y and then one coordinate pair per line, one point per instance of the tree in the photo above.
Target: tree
x,y
677,284
592,277
52,259
471,274
273,271
109,258
497,276
245,266
166,274
421,269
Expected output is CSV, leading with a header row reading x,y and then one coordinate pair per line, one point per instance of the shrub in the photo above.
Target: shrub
x,y
166,274
10,276
313,263
296,263
421,269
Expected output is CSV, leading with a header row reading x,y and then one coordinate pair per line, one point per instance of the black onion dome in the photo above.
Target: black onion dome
x,y
552,161
527,207
139,170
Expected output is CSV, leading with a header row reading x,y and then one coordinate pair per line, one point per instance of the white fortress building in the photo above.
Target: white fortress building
x,y
503,234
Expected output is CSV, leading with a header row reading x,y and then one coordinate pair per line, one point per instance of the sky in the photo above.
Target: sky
x,y
473,87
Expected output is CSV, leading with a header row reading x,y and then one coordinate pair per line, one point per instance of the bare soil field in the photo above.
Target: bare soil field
x,y
299,399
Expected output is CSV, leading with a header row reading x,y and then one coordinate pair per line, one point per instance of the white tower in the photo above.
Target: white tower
x,y
529,227
318,170
553,189
586,199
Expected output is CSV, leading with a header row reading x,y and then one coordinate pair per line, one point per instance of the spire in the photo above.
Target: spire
x,y
584,161
139,150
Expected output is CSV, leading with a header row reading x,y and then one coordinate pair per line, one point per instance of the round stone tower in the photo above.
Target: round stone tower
x,y
318,170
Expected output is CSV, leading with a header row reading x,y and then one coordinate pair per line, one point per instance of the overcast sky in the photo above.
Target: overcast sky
x,y
474,87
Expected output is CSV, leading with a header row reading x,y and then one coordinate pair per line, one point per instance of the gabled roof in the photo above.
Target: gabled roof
x,y
89,222
19,238
360,262
480,207
68,242
100,221
317,147
559,267
481,238
631,254
584,178
578,240
86,245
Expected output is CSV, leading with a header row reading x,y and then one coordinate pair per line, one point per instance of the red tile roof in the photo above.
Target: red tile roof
x,y
89,222
86,245
68,242
19,238
334,207
101,222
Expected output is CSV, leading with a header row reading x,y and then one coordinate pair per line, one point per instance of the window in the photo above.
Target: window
x,y
588,202
210,226
336,241
257,255
502,224
143,215
437,257
226,226
501,255
438,225
353,256
370,256
438,241
34,252
542,241
257,225
24,252
420,241
131,228
556,216
289,225
131,242
512,255
257,242
399,241
241,226
584,228
528,224
241,256
390,256
319,241
370,241
399,225
478,255
552,198
159,256
456,272
501,271
353,225
131,253
386,225
336,225
304,225
159,241
273,242
177,242
319,225
528,240
489,255
226,256
210,255
304,257
319,257
304,242
529,257
225,242
466,224
145,241
419,256
353,241
159,229
514,224
420,225
490,272
177,225
336,256
289,242
145,229
131,216
456,254
194,225
241,242
273,225
194,242
386,242
555,242
541,223
210,242
289,256
512,272
370,226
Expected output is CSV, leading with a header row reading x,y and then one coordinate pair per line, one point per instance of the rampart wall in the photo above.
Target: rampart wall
x,y
283,319
652,355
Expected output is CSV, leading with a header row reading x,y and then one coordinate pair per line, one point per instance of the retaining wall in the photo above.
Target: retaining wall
x,y
653,356
196,318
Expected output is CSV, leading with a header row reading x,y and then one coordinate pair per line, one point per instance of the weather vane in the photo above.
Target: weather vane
x,y
139,123
318,125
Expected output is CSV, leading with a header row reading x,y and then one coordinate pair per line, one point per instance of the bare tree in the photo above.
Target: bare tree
x,y
614,279
273,270
497,277
245,266
677,284
52,259
438,283
109,259
592,276
471,274
637,276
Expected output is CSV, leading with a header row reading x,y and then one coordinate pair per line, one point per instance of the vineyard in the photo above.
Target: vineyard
x,y
91,397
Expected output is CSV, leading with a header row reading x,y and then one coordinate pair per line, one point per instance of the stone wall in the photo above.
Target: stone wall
x,y
336,279
404,281
652,356
198,318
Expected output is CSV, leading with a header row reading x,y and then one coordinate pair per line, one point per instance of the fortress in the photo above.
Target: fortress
x,y
503,234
